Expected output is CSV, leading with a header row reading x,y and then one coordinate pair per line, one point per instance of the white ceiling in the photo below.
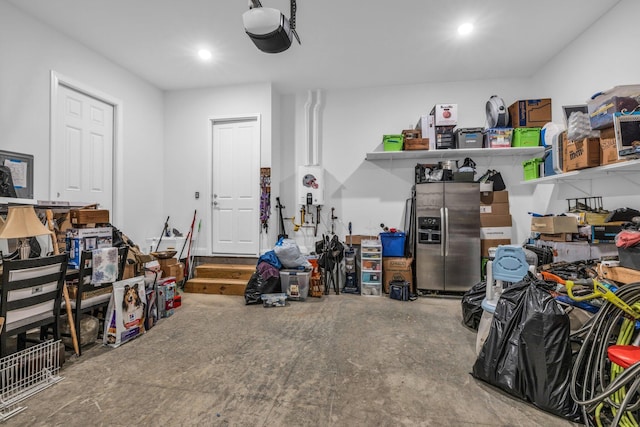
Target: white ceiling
x,y
345,43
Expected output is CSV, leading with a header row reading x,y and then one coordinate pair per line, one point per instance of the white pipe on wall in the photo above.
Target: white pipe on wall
x,y
315,140
307,128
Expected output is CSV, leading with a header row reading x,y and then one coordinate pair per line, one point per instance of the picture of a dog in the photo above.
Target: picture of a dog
x,y
132,308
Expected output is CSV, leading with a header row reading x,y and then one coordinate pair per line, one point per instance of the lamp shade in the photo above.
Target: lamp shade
x,y
21,222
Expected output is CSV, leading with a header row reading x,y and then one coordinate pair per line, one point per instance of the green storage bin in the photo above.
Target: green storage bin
x,y
532,168
525,137
392,142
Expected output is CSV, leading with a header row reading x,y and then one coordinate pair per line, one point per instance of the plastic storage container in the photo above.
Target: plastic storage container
x,y
392,244
274,300
469,138
295,283
371,262
392,142
531,168
525,137
498,137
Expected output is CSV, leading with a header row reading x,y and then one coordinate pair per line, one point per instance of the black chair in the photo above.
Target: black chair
x,y
31,297
95,305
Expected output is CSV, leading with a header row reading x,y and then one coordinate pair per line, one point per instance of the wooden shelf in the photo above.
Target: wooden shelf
x,y
446,154
629,166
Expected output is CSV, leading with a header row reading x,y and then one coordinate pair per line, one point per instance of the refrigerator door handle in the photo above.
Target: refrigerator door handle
x,y
443,232
446,231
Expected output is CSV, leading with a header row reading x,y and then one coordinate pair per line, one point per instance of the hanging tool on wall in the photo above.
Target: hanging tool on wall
x,y
164,230
265,198
281,230
333,221
315,230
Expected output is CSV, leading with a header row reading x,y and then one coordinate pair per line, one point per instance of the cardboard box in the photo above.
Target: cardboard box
x,y
495,233
396,268
89,216
486,244
491,197
580,154
608,146
445,114
554,224
80,239
530,113
559,237
494,209
495,221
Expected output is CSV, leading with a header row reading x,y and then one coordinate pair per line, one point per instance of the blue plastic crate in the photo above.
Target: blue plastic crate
x,y
392,243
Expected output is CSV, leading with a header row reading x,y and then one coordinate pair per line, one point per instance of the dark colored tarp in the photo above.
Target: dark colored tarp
x,y
472,305
527,352
258,286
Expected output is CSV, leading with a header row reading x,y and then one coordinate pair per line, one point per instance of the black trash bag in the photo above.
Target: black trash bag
x,y
258,286
472,305
527,352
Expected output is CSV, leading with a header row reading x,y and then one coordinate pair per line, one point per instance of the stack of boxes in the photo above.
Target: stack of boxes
x,y
527,119
617,101
87,232
495,220
172,268
555,228
395,266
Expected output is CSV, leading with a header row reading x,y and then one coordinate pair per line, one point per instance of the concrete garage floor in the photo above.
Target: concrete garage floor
x,y
337,361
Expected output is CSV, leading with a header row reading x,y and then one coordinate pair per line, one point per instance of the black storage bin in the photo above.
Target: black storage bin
x,y
630,257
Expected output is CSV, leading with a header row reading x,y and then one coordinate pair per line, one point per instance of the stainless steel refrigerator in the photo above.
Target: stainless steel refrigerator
x,y
447,236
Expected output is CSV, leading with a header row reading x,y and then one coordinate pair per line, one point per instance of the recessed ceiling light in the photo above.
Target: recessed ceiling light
x,y
465,29
204,54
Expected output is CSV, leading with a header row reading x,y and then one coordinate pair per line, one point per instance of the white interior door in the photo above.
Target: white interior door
x,y
236,187
82,149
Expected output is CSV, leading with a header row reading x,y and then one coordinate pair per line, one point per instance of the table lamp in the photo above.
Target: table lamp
x,y
22,223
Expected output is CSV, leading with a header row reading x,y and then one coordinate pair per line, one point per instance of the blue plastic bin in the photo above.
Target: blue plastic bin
x,y
392,244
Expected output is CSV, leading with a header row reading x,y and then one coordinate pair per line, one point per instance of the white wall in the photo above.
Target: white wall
x,y
187,149
29,51
599,59
372,192
368,193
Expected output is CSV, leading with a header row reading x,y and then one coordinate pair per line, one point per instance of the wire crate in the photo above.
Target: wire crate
x,y
26,373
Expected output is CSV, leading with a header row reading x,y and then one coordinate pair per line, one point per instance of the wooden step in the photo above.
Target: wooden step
x,y
225,271
215,286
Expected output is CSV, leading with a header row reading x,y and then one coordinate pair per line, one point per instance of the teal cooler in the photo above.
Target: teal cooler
x,y
392,244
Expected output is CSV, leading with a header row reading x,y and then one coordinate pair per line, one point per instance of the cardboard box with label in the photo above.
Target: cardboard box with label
x,y
554,224
580,154
445,114
396,268
608,146
80,239
530,113
494,203
495,227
